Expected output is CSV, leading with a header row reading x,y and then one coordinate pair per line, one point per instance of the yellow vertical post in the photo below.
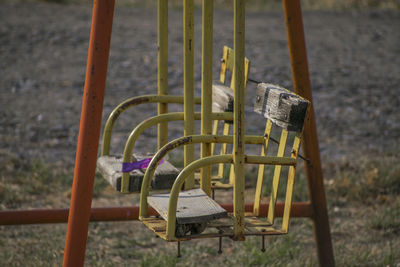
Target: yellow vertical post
x,y
290,184
224,149
206,88
261,168
162,78
188,83
214,132
238,119
277,176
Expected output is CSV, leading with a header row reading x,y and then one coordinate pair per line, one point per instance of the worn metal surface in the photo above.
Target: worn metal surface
x,y
238,118
162,68
261,168
89,133
176,188
107,133
130,143
175,144
188,82
206,88
277,175
302,86
227,64
128,213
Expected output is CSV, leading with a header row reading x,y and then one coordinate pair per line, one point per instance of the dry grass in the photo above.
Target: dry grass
x,y
255,4
364,206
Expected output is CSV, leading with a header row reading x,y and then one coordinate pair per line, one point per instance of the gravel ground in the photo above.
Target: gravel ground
x,y
354,60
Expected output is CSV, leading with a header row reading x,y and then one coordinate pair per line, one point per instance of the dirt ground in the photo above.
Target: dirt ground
x,y
354,60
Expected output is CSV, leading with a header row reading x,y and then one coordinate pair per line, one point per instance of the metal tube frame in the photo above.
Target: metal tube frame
x,y
107,133
80,212
188,81
238,119
207,161
172,116
127,213
206,89
188,140
302,86
162,75
89,133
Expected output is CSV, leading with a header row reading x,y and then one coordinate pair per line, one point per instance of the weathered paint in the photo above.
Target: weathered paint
x,y
89,133
206,88
238,118
162,74
105,148
302,86
188,82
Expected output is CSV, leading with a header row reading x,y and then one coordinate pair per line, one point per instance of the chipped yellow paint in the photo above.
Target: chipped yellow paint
x,y
260,175
276,178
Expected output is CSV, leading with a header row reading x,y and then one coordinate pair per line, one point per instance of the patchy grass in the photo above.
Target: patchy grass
x,y
251,4
363,199
366,180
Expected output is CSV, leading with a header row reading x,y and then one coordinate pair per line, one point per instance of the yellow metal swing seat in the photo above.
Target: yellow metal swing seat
x,y
193,214
110,166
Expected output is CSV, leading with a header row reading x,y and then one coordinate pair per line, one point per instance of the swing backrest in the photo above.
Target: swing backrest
x,y
287,112
227,65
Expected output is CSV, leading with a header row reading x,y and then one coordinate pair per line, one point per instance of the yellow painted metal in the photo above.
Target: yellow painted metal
x,y
290,184
162,77
223,150
130,143
246,71
206,88
238,119
231,175
188,82
180,142
224,63
184,175
270,160
105,148
214,132
260,175
227,64
276,178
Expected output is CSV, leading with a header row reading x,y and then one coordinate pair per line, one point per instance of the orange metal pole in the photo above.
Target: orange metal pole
x,y
302,86
129,213
89,132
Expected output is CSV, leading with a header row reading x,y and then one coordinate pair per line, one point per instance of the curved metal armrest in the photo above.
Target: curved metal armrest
x,y
192,139
130,143
176,188
105,147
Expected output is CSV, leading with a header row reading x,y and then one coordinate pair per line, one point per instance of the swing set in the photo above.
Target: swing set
x,y
189,211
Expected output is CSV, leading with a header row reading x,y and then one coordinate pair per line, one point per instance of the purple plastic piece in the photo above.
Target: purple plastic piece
x,y
141,164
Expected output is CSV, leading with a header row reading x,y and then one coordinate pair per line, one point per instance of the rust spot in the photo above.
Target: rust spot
x,y
133,102
173,145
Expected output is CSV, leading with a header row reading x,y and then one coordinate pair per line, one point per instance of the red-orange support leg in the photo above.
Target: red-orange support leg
x,y
302,86
89,132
